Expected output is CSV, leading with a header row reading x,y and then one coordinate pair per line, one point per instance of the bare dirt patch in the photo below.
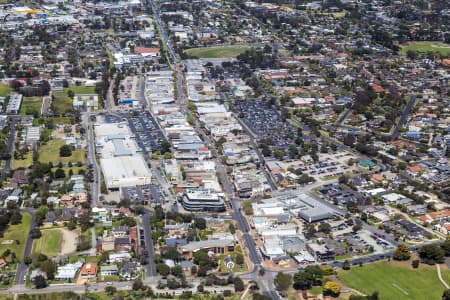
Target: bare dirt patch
x,y
69,241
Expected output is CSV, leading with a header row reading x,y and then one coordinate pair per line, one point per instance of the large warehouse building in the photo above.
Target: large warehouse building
x,y
122,165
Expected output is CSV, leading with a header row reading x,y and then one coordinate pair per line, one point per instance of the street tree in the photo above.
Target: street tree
x,y
282,281
402,253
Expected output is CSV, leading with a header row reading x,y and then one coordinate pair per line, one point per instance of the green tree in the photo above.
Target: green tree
x,y
200,223
137,285
110,290
239,259
446,246
238,284
282,281
446,295
65,151
163,269
402,253
346,265
59,173
331,288
431,254
232,228
49,267
177,271
40,282
302,281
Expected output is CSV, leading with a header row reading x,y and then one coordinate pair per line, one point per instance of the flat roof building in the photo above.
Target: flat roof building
x,y
202,200
120,161
14,103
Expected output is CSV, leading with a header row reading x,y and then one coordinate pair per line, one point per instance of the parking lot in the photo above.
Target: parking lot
x,y
145,194
267,123
146,131
331,166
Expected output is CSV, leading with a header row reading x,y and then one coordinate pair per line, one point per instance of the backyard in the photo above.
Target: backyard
x,y
395,280
49,243
16,233
49,152
217,52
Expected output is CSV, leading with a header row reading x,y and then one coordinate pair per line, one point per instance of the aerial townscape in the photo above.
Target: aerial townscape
x,y
225,150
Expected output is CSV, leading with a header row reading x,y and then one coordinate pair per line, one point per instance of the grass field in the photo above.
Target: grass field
x,y
54,121
217,52
394,281
31,105
49,243
50,153
80,89
17,232
61,103
23,163
436,47
4,89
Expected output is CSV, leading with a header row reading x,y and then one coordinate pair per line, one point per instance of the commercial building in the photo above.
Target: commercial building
x,y
302,205
122,164
202,200
217,246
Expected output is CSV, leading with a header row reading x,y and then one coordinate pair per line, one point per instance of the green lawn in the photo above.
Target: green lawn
x,y
437,47
217,52
49,243
4,89
23,163
80,89
54,121
16,232
395,282
61,103
31,106
237,268
50,153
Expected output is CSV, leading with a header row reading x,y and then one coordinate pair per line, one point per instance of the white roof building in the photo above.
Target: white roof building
x,y
68,271
120,161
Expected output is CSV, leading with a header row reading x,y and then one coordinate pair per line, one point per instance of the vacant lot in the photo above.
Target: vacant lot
x,y
395,281
49,243
23,163
50,153
217,52
61,103
31,106
16,232
436,47
4,89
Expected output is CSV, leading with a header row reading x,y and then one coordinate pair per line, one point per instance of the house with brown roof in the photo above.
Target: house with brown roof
x,y
414,170
89,271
